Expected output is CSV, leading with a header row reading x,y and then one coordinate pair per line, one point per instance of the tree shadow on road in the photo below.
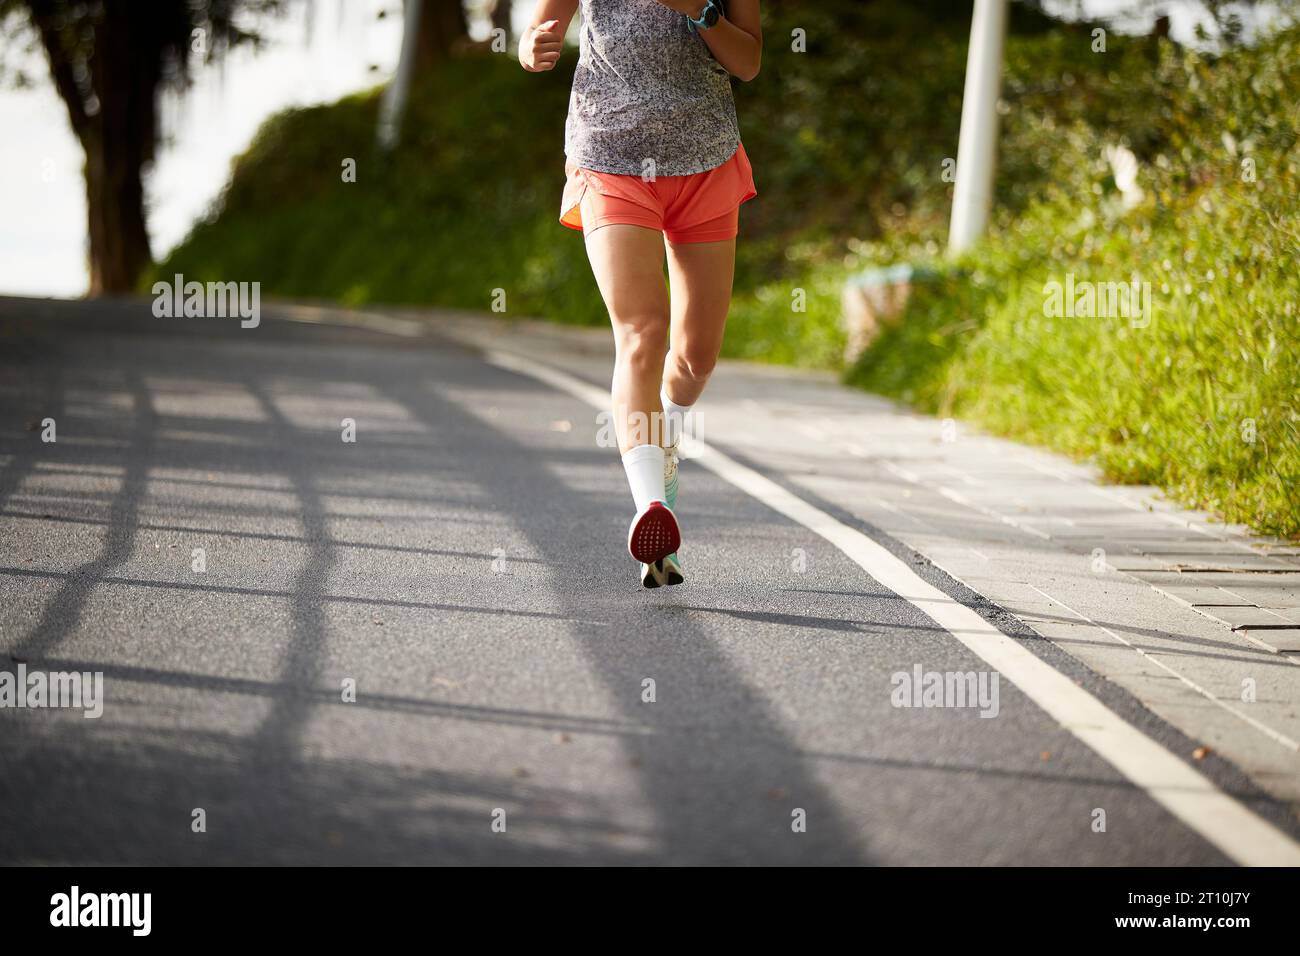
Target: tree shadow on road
x,y
721,794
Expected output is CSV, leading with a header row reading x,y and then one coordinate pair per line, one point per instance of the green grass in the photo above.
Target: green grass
x,y
848,142
1205,402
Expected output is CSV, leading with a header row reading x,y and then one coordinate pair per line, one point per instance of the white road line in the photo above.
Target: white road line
x,y
1239,833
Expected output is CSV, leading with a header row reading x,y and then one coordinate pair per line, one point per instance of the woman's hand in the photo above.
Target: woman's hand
x,y
692,8
539,47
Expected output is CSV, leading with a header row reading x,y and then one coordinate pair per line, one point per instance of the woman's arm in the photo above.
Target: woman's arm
x,y
736,41
540,46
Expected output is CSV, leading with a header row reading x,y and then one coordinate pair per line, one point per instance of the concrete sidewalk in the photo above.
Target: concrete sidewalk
x,y
1198,620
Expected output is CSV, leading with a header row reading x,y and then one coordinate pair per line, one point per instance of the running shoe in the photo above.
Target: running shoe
x,y
668,570
654,533
663,573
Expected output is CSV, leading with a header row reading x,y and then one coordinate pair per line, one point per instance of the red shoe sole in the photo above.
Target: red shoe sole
x,y
654,534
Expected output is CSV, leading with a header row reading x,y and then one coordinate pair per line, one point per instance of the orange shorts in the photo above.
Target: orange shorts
x,y
703,207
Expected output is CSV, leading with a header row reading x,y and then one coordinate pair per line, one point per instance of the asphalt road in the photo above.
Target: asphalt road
x,y
463,562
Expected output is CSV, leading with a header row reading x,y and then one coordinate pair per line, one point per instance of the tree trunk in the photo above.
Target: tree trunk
x,y
501,15
442,25
118,236
392,108
126,70
110,89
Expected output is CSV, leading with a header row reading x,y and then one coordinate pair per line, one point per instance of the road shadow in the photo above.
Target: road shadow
x,y
720,794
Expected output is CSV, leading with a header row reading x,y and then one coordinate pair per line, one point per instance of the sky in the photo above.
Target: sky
x,y
312,58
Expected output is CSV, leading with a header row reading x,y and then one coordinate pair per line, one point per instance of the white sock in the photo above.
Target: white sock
x,y
644,465
674,418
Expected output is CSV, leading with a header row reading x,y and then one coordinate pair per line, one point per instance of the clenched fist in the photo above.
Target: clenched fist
x,y
539,47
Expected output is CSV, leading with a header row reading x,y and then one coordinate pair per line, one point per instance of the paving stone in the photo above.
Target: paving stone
x,y
1247,616
1287,641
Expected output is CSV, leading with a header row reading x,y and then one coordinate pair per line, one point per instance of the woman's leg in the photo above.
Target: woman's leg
x,y
701,275
628,262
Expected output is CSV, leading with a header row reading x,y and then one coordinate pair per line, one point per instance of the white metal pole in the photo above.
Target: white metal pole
x,y
977,147
394,102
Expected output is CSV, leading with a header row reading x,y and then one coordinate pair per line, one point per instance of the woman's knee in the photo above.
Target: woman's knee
x,y
642,343
695,364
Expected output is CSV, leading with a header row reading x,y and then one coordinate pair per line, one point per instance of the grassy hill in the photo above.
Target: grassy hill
x,y
848,141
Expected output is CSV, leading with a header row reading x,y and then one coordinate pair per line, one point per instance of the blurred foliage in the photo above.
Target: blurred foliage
x,y
848,141
73,24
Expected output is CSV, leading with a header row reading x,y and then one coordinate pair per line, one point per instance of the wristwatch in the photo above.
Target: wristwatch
x,y
709,16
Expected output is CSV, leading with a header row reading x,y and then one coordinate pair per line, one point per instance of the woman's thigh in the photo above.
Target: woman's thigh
x,y
628,263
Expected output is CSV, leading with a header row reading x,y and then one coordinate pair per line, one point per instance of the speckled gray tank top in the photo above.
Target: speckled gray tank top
x,y
647,88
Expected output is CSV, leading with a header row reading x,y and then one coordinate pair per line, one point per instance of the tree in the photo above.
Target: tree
x,y
109,60
442,26
431,31
502,11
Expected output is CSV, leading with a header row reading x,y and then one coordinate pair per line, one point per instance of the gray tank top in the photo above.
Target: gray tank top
x,y
647,88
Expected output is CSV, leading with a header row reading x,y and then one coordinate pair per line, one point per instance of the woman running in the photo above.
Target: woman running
x,y
655,162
